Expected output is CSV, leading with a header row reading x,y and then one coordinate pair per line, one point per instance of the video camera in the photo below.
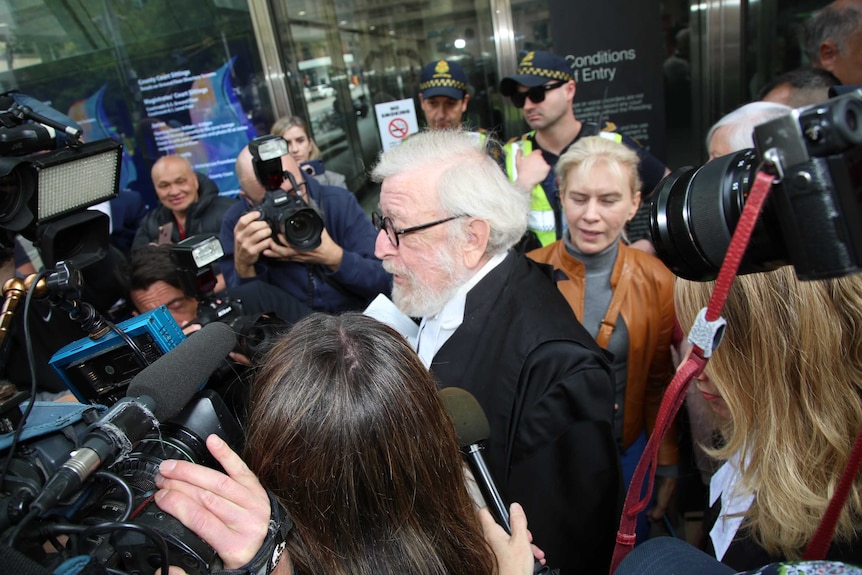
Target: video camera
x,y
813,216
287,213
43,194
48,456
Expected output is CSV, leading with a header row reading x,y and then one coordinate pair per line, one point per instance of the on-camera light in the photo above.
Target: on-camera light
x,y
268,148
198,251
194,257
266,153
44,186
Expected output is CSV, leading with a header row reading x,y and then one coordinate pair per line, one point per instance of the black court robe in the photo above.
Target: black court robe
x,y
547,390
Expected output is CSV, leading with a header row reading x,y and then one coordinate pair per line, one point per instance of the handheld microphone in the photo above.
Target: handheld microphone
x,y
157,393
472,428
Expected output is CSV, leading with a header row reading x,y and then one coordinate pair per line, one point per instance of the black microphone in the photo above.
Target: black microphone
x,y
157,393
472,429
70,131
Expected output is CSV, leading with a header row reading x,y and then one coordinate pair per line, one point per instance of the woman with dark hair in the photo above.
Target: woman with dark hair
x,y
303,149
348,434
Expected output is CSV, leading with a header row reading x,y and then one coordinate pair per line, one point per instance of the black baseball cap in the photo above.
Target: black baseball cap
x,y
443,78
535,69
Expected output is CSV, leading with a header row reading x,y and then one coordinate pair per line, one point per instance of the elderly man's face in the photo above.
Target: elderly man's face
x,y
427,270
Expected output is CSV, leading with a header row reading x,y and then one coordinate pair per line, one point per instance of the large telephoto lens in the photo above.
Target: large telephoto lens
x,y
694,212
303,229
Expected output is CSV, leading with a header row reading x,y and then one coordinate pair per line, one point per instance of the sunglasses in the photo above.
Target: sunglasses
x,y
536,94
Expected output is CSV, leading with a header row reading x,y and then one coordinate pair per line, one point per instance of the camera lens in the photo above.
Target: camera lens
x,y
10,187
694,212
303,229
847,116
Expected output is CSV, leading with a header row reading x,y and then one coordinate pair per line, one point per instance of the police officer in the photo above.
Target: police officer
x,y
544,89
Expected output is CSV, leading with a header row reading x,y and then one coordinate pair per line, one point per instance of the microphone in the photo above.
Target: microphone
x,y
472,428
157,393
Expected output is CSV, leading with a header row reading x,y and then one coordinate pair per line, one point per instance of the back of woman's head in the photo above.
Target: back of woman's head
x,y
347,430
790,370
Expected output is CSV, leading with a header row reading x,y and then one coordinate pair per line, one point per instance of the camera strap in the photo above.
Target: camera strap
x,y
705,336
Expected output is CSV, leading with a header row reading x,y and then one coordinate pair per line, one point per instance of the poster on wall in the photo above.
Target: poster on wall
x,y
198,105
616,52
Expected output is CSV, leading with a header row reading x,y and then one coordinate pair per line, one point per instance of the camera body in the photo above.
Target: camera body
x,y
812,218
194,258
287,213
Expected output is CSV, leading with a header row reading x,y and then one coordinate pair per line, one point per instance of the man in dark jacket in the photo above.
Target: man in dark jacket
x,y
340,274
494,323
191,204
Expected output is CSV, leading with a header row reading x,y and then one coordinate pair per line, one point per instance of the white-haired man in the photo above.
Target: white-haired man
x,y
494,323
734,131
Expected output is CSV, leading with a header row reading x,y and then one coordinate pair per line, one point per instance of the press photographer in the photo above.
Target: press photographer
x,y
330,269
788,373
813,216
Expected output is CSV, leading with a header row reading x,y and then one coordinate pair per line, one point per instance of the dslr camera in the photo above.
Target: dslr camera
x,y
194,258
812,218
287,213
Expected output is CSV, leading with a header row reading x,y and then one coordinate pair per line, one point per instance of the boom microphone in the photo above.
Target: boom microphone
x,y
472,429
157,393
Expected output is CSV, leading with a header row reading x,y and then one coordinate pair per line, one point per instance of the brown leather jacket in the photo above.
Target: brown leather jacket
x,y
649,315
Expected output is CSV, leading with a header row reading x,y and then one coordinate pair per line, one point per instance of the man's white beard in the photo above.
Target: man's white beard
x,y
416,299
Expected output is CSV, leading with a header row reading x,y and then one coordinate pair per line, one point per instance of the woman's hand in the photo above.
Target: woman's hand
x,y
514,553
230,512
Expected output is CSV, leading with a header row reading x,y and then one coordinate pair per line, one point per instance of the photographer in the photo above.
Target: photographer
x,y
340,274
154,281
790,372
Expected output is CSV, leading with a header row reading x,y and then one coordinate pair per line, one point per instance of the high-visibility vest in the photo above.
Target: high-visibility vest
x,y
542,221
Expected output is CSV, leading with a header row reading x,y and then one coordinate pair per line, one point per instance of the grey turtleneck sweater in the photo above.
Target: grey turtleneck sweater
x,y
597,297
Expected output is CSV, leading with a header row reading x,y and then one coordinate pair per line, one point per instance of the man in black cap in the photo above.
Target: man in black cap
x,y
444,98
443,95
544,88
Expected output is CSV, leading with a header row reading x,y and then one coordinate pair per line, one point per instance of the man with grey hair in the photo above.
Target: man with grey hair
x,y
495,324
733,132
799,87
833,40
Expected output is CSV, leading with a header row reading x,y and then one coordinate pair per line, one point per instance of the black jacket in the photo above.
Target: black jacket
x,y
547,390
203,217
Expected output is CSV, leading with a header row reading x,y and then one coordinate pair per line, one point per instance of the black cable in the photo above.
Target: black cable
x,y
20,527
86,531
28,343
130,499
142,359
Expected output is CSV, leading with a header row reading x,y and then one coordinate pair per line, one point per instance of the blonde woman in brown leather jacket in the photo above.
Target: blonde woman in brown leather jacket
x,y
622,296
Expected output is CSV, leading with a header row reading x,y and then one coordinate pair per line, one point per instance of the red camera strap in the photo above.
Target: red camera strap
x,y
692,367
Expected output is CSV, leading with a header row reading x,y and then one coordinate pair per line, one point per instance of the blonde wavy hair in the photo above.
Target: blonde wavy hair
x,y
790,370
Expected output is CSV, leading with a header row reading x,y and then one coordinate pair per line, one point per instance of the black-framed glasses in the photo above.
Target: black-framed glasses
x,y
385,224
536,94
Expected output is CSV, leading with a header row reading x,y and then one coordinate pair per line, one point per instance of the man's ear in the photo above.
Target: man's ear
x,y
827,53
476,243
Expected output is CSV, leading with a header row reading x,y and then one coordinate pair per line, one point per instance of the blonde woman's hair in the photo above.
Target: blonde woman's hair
x,y
790,370
587,152
285,123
